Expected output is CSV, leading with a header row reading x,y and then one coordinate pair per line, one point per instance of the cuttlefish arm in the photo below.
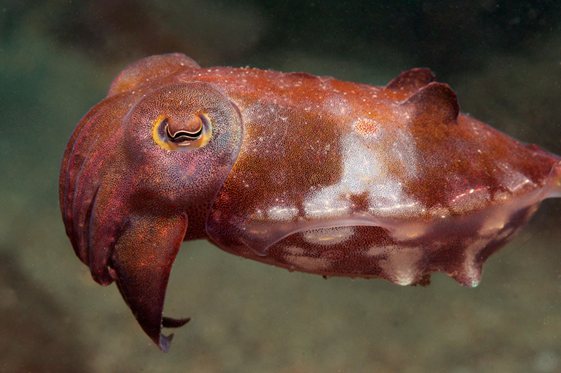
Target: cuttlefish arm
x,y
141,264
137,169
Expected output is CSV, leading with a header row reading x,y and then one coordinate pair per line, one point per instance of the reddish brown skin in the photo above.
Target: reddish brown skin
x,y
302,172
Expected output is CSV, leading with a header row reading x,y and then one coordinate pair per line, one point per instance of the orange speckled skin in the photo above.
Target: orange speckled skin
x,y
303,172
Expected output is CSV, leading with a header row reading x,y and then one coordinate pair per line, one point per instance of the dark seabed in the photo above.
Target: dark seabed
x,y
57,59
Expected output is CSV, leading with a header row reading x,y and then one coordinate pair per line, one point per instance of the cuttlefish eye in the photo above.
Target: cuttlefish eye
x,y
172,133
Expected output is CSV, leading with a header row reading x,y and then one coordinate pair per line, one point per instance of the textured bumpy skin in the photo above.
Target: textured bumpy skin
x,y
307,173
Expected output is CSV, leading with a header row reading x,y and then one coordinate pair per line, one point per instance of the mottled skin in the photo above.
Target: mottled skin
x,y
303,172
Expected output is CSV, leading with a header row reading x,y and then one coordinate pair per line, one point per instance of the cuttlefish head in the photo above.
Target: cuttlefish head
x,y
139,166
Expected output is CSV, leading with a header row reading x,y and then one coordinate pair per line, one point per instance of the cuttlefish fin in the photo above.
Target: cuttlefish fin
x,y
434,103
141,264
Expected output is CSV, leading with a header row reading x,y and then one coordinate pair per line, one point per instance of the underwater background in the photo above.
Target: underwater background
x,y
57,58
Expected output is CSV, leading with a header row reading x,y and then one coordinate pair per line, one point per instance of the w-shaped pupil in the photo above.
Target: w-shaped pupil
x,y
180,132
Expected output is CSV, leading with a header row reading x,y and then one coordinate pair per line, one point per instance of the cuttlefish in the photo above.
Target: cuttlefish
x,y
304,172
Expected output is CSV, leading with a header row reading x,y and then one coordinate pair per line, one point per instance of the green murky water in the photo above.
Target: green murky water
x,y
57,59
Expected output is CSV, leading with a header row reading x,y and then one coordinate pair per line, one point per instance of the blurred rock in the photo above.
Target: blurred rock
x,y
29,321
123,30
